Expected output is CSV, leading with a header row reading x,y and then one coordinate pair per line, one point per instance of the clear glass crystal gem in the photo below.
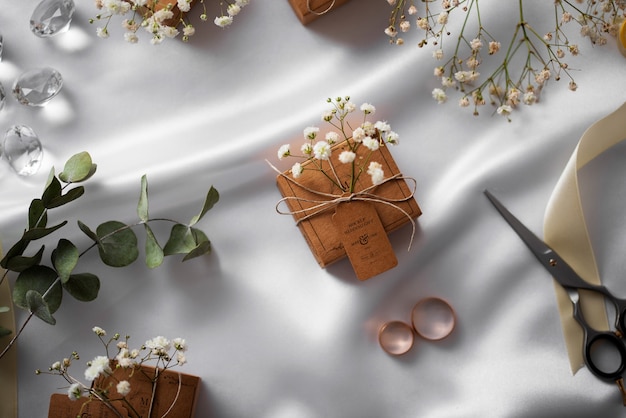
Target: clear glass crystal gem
x,y
1,46
51,17
36,87
21,148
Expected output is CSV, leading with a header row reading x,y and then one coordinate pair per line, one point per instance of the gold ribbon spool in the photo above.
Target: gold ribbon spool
x,y
566,232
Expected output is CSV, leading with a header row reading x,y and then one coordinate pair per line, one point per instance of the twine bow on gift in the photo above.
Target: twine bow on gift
x,y
333,200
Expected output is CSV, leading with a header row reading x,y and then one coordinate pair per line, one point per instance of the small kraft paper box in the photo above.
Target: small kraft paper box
x,y
309,10
392,201
174,390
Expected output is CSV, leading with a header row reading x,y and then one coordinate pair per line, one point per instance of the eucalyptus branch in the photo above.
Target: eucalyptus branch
x,y
39,287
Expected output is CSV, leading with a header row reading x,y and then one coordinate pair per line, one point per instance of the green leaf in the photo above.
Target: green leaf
x,y
78,168
16,250
88,232
4,331
38,306
71,195
154,252
203,245
211,199
142,206
39,279
117,244
181,240
64,258
4,309
51,192
37,216
20,263
83,286
36,233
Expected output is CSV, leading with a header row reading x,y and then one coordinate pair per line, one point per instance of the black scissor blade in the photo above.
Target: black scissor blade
x,y
536,245
557,267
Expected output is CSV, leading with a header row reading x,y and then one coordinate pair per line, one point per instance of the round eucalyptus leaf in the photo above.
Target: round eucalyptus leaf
x,y
21,262
83,286
39,279
181,241
64,258
201,249
78,168
154,252
38,306
117,244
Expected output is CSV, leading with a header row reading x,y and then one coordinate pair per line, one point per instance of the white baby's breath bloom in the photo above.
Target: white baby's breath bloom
x,y
439,71
368,109
159,345
392,138
439,95
181,359
529,98
464,101
223,21
98,365
307,148
371,143
321,150
56,366
296,170
131,37
442,19
405,25
233,9
476,44
75,391
283,151
358,134
369,128
494,47
347,157
332,137
438,54
102,33
382,126
375,170
448,82
170,31
189,30
163,15
123,358
412,10
179,344
184,5
311,132
504,110
123,387
391,31
350,107
328,115
242,3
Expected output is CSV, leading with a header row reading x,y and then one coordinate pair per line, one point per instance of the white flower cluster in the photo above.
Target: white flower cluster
x,y
367,137
158,17
517,72
162,351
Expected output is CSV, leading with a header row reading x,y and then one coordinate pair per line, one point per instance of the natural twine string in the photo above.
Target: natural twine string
x,y
308,6
334,200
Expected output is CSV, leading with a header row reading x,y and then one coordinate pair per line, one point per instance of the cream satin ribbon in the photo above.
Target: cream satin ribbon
x,y
566,232
8,363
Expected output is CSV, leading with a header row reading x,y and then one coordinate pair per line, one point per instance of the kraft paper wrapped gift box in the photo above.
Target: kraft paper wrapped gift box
x,y
319,230
167,393
309,10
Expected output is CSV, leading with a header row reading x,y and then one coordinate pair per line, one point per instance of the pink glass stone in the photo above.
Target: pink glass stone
x,y
396,337
433,319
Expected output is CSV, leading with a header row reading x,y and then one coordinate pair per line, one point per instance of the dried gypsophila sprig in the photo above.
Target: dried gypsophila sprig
x,y
159,351
360,143
158,17
540,57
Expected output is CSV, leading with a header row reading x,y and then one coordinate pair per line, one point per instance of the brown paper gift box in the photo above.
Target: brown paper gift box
x,y
309,10
140,394
318,230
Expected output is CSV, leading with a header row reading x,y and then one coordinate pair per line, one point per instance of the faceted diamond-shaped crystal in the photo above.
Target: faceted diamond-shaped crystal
x,y
1,46
21,148
36,87
51,17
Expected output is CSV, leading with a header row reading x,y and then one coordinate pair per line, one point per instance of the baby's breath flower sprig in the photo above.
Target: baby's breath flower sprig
x,y
158,352
515,73
358,145
163,19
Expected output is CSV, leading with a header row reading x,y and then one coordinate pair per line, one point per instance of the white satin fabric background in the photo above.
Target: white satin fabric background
x,y
271,334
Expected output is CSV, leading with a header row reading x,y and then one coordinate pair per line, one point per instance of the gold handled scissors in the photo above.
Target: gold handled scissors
x,y
597,345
